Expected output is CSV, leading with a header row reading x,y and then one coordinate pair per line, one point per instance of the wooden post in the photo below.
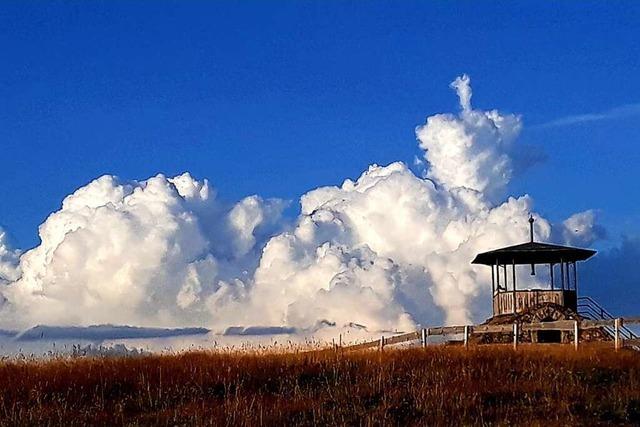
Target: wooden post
x,y
425,334
515,336
466,336
616,325
576,334
382,343
340,340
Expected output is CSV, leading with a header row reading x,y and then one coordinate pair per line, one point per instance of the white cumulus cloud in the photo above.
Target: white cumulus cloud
x,y
387,250
9,259
470,149
146,253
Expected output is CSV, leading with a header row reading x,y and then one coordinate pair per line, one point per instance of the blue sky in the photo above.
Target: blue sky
x,y
277,98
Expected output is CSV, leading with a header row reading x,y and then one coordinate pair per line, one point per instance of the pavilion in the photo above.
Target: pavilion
x,y
563,273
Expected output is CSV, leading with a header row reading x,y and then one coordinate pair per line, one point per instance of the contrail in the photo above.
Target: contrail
x,y
628,110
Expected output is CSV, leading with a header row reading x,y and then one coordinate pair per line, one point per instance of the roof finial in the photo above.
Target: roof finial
x,y
531,220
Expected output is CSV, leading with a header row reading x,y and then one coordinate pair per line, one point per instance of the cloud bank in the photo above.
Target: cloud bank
x,y
388,250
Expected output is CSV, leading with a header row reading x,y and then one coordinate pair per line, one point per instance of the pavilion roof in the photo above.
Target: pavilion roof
x,y
533,253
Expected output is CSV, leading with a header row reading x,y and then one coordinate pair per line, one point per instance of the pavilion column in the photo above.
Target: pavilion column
x,y
513,271
551,274
493,282
568,272
493,291
506,279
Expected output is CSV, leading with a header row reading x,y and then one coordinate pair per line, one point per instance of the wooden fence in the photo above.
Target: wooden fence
x,y
573,326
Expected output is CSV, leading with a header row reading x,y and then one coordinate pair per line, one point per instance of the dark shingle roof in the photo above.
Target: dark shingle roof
x,y
533,253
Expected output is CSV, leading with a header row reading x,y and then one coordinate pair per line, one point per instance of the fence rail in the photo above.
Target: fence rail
x,y
614,325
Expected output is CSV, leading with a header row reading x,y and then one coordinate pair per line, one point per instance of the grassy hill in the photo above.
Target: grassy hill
x,y
444,385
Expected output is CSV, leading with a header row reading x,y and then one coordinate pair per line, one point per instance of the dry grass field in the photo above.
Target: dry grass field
x,y
539,385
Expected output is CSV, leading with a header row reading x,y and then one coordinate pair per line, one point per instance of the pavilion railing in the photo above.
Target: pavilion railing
x,y
526,298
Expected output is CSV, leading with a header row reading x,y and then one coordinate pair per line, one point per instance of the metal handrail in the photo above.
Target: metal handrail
x,y
590,301
589,308
625,332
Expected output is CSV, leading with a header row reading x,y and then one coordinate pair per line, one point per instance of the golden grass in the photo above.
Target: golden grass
x,y
538,385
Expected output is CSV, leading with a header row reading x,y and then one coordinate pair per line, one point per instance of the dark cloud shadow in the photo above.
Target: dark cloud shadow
x,y
102,332
612,278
